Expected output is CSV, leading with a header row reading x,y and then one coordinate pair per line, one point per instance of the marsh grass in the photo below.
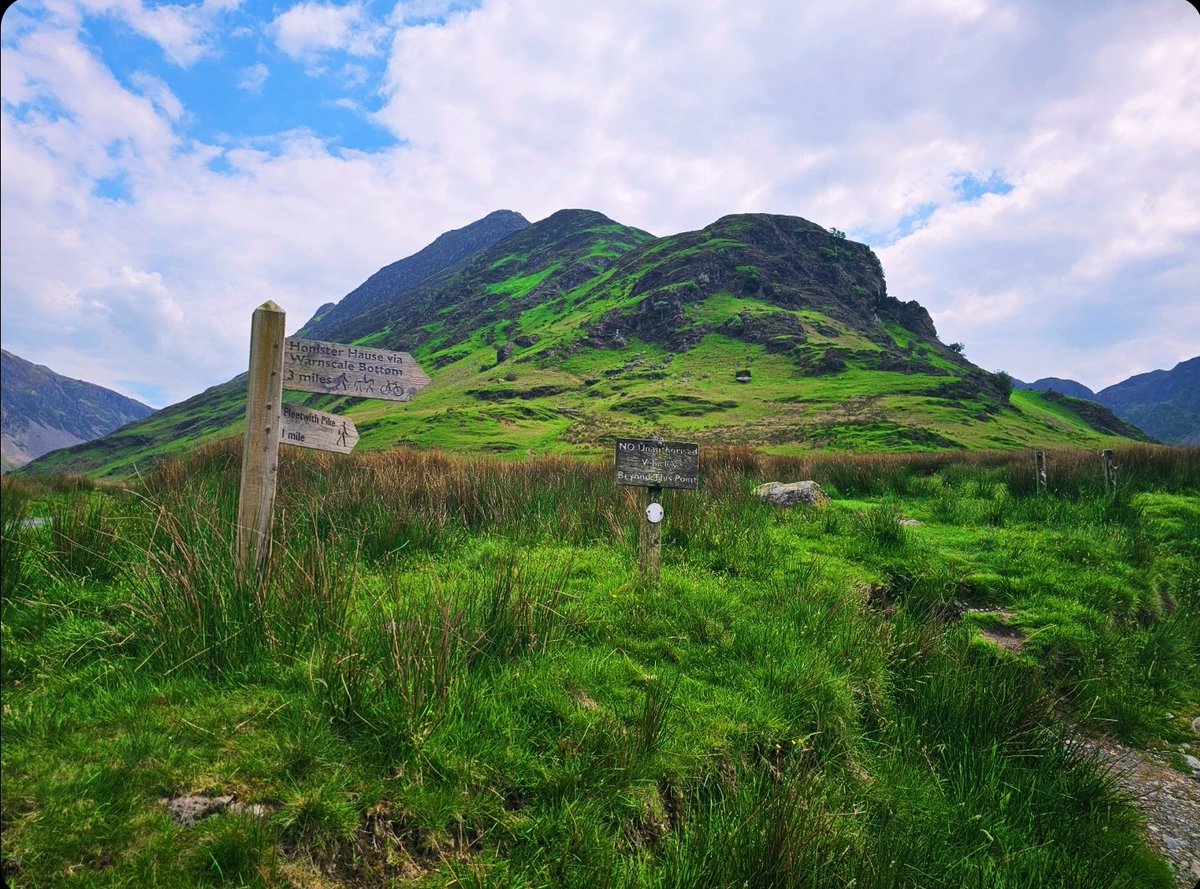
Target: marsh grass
x,y
83,540
451,670
14,512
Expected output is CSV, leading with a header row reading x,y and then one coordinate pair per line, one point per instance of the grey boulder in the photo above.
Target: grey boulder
x,y
807,493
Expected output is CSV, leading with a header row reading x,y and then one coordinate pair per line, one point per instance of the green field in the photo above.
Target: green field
x,y
453,674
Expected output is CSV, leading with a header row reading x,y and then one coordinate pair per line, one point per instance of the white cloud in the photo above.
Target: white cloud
x,y
157,91
184,32
663,115
309,29
253,77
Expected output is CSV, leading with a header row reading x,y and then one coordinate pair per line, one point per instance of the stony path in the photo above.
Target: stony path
x,y
1169,799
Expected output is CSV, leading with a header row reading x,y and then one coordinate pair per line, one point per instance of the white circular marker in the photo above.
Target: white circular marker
x,y
654,513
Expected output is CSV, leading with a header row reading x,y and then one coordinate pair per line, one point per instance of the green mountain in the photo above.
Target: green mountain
x,y
764,330
447,251
43,410
1073,388
1166,403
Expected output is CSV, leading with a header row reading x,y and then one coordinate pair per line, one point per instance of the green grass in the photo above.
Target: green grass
x,y
453,673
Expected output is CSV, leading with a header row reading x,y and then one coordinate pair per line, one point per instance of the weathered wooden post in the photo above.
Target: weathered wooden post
x,y
655,464
650,539
1110,470
260,455
1040,459
305,366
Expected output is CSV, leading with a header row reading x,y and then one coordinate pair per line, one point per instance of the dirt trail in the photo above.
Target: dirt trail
x,y
1169,799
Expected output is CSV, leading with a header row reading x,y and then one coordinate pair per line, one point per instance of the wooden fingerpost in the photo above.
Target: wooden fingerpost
x,y
1110,470
650,549
1040,458
260,456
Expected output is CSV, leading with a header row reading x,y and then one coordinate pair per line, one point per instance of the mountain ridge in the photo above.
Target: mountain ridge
x,y
43,411
444,252
1163,403
757,329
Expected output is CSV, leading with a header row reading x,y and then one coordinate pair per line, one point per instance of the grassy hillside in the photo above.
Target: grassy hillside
x,y
452,674
758,330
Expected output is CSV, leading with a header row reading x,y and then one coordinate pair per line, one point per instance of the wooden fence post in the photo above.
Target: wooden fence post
x,y
260,456
1040,459
651,536
1110,470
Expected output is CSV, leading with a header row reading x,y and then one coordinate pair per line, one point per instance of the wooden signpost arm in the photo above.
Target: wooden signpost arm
x,y
260,457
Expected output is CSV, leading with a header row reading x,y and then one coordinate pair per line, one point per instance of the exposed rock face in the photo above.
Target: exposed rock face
x,y
187,810
806,493
784,262
43,411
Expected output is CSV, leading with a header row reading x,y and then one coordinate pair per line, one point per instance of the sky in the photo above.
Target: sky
x,y
1027,171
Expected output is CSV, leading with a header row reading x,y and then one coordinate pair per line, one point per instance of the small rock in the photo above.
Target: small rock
x,y
187,810
808,493
1192,763
258,810
1196,726
1172,843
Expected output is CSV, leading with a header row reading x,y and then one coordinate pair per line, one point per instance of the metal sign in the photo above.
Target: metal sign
x,y
307,428
338,369
655,463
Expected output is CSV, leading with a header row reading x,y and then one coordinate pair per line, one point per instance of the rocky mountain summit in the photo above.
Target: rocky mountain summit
x,y
336,321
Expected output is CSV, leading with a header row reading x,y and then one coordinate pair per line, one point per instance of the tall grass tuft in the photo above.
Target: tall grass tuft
x,y
202,612
83,541
881,527
512,608
657,699
14,511
389,679
310,599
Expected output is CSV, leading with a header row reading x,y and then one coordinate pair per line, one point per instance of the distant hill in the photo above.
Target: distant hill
x,y
43,411
763,330
1057,384
1098,416
1165,403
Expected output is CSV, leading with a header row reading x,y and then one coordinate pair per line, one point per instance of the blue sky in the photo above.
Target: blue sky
x,y
253,81
1027,171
